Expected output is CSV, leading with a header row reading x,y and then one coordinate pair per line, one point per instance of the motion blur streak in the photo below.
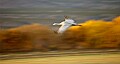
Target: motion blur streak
x,y
95,34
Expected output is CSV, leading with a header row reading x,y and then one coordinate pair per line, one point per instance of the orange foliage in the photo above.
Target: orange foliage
x,y
92,34
14,41
116,20
96,34
28,37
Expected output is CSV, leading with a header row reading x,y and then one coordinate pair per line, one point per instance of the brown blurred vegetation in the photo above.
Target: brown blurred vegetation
x,y
93,34
27,38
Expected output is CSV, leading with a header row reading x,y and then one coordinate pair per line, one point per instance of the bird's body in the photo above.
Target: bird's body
x,y
65,25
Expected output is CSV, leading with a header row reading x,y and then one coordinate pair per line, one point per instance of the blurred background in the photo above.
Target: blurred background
x,y
19,12
28,24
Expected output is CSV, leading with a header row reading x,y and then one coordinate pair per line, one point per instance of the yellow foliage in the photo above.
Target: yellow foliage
x,y
116,20
97,33
92,34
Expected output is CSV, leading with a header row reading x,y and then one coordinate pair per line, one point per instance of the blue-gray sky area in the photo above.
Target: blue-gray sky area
x,y
83,4
50,11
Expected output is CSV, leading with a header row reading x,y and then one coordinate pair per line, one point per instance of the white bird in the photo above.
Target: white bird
x,y
65,24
